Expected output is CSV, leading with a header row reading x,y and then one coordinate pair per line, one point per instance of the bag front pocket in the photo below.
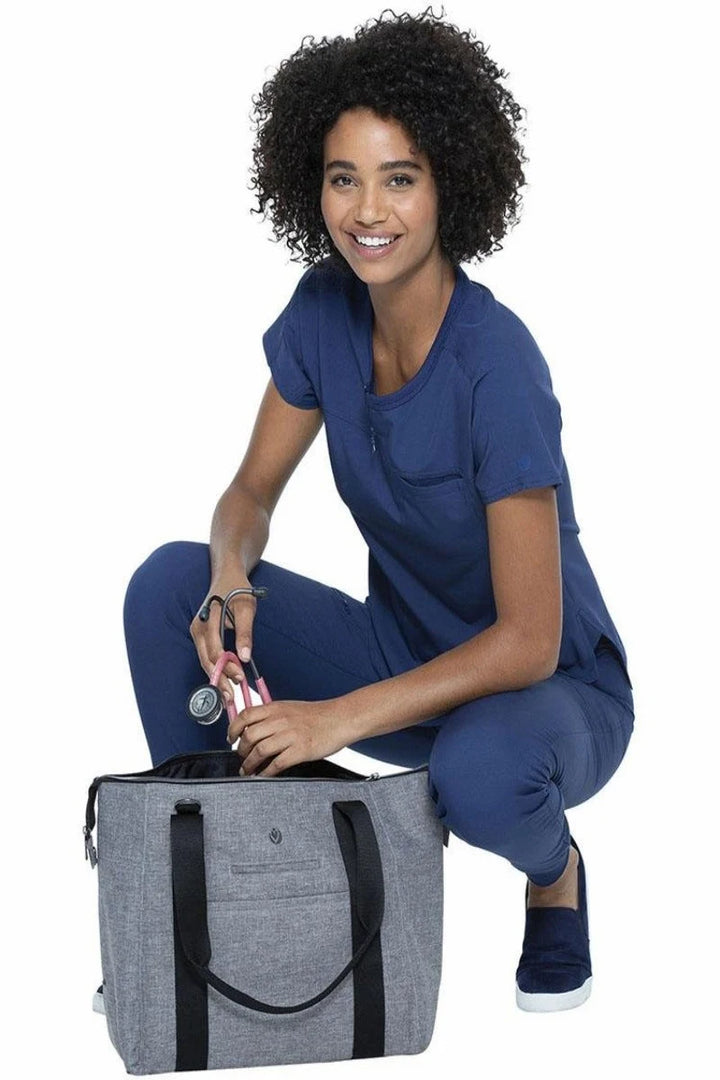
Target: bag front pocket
x,y
281,949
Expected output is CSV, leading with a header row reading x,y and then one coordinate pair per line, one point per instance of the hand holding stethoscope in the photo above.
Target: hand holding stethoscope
x,y
205,705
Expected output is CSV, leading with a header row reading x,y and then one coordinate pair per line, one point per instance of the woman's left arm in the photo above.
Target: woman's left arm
x,y
521,647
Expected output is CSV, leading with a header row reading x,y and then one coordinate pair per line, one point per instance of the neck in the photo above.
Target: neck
x,y
408,312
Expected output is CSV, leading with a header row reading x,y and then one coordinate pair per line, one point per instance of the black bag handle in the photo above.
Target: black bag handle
x,y
363,865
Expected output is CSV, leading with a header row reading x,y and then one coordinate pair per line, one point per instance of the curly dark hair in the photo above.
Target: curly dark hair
x,y
438,83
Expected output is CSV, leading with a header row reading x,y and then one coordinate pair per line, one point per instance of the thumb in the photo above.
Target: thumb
x,y
243,642
244,615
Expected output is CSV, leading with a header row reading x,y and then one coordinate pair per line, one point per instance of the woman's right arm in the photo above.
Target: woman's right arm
x,y
241,523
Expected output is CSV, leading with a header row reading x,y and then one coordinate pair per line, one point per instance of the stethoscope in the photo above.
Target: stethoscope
x,y
205,705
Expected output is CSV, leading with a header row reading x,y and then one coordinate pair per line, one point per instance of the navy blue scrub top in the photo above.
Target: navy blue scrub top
x,y
416,468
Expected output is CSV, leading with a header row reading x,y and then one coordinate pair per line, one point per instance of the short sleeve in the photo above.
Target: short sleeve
x,y
516,423
283,351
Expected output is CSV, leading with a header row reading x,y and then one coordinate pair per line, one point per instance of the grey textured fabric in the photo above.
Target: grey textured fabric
x,y
278,909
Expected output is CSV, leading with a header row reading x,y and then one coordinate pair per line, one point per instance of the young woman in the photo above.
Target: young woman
x,y
484,647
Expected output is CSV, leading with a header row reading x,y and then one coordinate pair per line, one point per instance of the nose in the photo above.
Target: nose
x,y
370,208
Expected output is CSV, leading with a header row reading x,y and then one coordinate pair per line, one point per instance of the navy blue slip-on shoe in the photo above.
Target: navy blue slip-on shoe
x,y
554,970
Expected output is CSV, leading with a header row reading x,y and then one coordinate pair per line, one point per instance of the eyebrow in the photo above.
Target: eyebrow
x,y
385,167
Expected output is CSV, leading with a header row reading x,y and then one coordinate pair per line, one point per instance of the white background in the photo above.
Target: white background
x,y
136,286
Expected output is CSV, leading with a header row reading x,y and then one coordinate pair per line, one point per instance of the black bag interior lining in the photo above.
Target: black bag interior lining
x,y
215,765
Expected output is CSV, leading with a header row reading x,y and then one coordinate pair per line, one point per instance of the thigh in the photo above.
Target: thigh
x,y
513,743
314,642
311,641
308,639
607,723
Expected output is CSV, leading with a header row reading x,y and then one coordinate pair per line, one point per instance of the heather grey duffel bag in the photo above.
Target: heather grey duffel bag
x,y
266,920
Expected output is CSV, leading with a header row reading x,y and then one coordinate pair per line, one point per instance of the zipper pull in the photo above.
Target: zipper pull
x,y
366,388
373,776
90,852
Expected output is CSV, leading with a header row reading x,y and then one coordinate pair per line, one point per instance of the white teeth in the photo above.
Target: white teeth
x,y
374,241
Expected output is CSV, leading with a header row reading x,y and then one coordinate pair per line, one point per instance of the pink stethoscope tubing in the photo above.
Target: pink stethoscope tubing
x,y
226,658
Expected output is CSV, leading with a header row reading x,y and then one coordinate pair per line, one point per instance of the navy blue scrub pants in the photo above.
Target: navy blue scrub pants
x,y
502,768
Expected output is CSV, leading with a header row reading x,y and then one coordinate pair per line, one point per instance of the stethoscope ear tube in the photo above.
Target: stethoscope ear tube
x,y
204,612
206,703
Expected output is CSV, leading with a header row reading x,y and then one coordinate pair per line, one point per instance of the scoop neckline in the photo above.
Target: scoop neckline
x,y
384,401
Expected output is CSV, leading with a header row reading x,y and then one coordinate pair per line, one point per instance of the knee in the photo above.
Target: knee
x,y
485,781
166,569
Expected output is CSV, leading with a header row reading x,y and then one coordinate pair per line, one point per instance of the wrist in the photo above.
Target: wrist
x,y
227,575
352,715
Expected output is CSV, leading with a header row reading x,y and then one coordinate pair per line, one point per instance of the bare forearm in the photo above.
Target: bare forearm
x,y
500,658
238,533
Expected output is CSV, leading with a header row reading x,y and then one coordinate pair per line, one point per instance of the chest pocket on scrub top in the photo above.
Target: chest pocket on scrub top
x,y
439,515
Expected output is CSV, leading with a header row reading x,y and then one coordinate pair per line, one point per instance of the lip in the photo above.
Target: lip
x,y
372,253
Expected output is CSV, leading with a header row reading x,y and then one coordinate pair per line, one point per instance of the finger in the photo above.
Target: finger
x,y
253,734
279,763
215,646
244,608
227,689
231,739
238,608
250,715
263,726
224,685
264,749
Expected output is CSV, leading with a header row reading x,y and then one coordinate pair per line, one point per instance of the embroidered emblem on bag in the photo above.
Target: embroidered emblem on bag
x,y
276,836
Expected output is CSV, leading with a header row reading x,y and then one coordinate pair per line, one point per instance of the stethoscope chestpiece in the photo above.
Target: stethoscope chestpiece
x,y
205,705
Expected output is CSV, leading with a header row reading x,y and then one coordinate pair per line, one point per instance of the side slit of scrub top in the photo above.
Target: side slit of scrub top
x,y
416,467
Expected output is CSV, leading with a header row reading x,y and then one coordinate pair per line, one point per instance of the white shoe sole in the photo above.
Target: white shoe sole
x,y
98,1003
553,1002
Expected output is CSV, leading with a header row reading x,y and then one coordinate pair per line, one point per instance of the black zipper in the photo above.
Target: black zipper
x,y
146,777
366,388
135,779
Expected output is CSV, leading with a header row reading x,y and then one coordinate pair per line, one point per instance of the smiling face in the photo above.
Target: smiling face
x,y
377,186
